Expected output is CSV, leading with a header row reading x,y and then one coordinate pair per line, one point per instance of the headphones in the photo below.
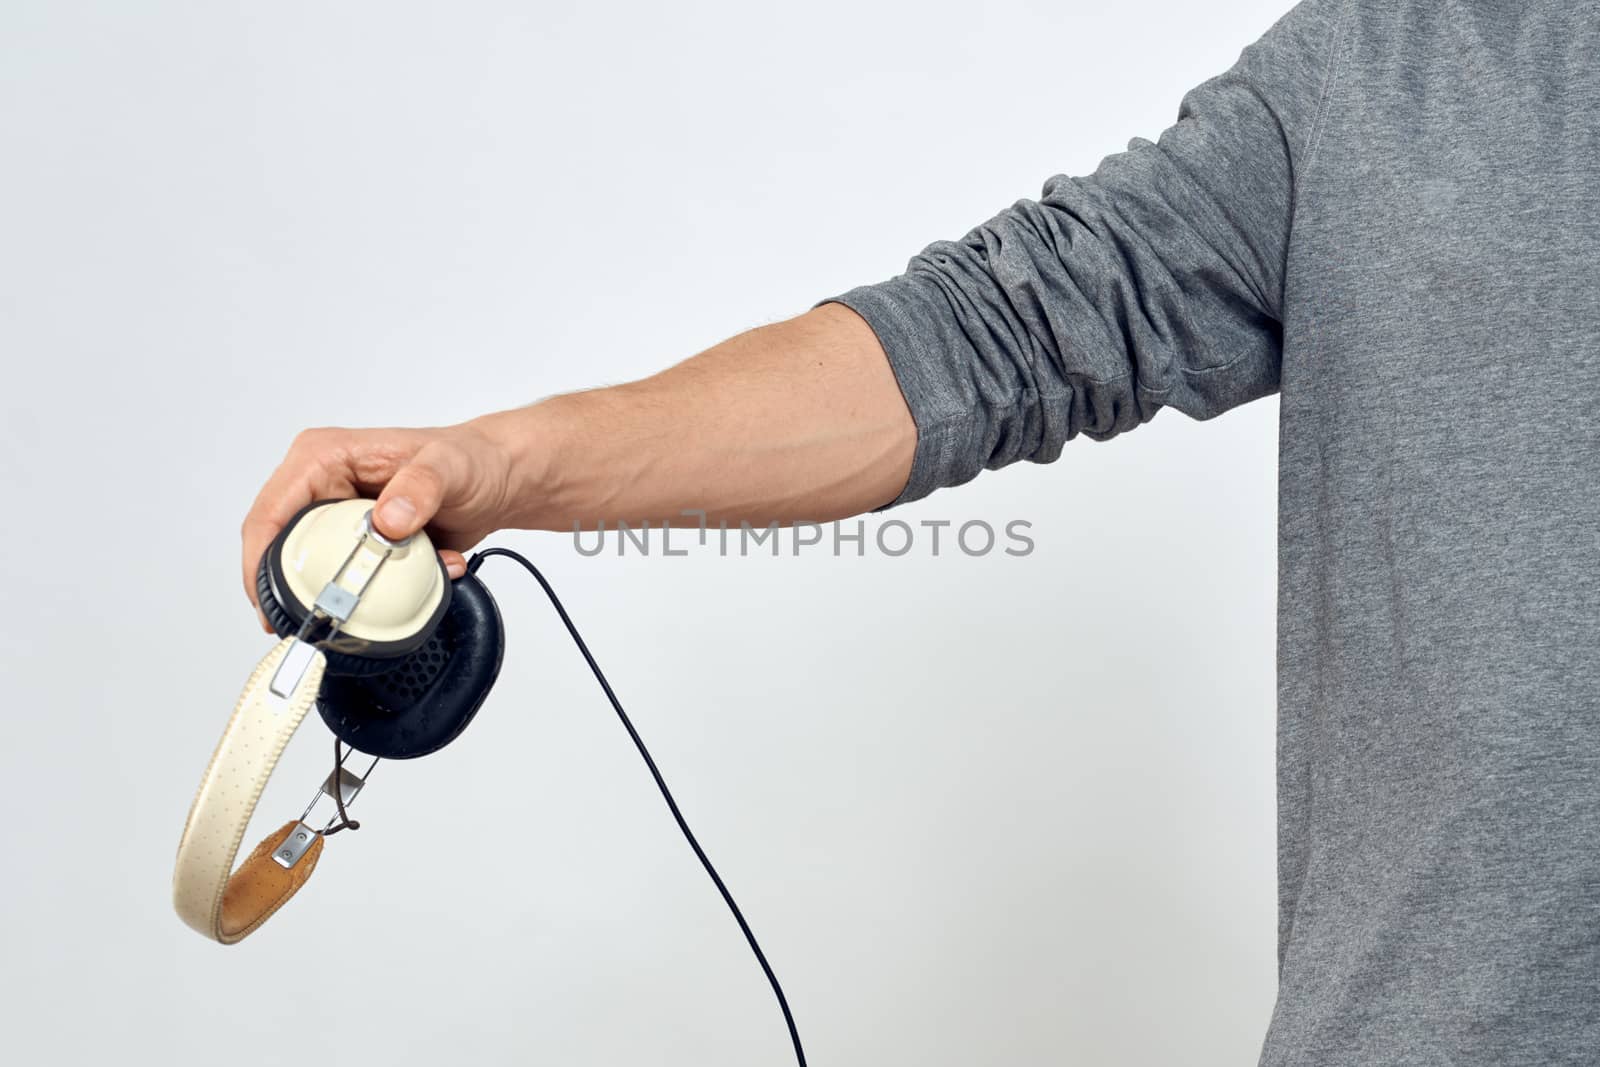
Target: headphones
x,y
398,659
407,673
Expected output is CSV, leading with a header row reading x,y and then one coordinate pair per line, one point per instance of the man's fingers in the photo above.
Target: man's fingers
x,y
286,493
415,494
397,517
328,463
455,564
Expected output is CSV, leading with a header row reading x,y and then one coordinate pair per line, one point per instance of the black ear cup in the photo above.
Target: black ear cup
x,y
277,618
422,701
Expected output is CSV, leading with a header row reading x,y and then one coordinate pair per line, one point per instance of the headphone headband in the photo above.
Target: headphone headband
x,y
209,895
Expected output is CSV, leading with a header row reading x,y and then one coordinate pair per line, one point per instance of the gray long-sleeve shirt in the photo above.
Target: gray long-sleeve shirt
x,y
1389,214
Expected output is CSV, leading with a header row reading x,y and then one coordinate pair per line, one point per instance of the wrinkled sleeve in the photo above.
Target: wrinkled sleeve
x,y
1156,281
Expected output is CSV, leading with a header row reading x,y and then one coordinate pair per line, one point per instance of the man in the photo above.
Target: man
x,y
1384,212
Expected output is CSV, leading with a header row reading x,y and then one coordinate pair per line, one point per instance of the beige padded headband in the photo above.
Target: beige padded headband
x,y
209,895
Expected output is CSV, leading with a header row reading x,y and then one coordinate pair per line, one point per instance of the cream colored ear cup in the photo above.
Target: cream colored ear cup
x,y
403,600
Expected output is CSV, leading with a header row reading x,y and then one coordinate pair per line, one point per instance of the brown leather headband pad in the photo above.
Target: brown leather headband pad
x,y
262,885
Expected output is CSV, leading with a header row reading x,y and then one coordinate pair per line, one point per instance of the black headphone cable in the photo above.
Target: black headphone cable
x,y
666,794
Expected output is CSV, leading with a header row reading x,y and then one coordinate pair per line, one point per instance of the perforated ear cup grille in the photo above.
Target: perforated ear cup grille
x,y
411,679
429,696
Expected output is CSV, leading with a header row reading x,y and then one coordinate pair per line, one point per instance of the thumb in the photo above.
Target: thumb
x,y
415,494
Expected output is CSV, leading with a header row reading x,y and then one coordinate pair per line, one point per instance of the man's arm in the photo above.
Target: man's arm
x,y
797,421
1157,281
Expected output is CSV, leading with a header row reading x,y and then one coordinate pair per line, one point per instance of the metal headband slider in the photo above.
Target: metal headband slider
x,y
338,600
342,783
295,845
292,670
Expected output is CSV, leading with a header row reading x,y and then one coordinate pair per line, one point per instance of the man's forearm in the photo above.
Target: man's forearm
x,y
798,421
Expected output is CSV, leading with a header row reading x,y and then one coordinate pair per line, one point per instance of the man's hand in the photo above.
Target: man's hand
x,y
454,480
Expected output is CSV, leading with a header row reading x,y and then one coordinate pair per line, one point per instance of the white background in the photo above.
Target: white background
x,y
980,811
